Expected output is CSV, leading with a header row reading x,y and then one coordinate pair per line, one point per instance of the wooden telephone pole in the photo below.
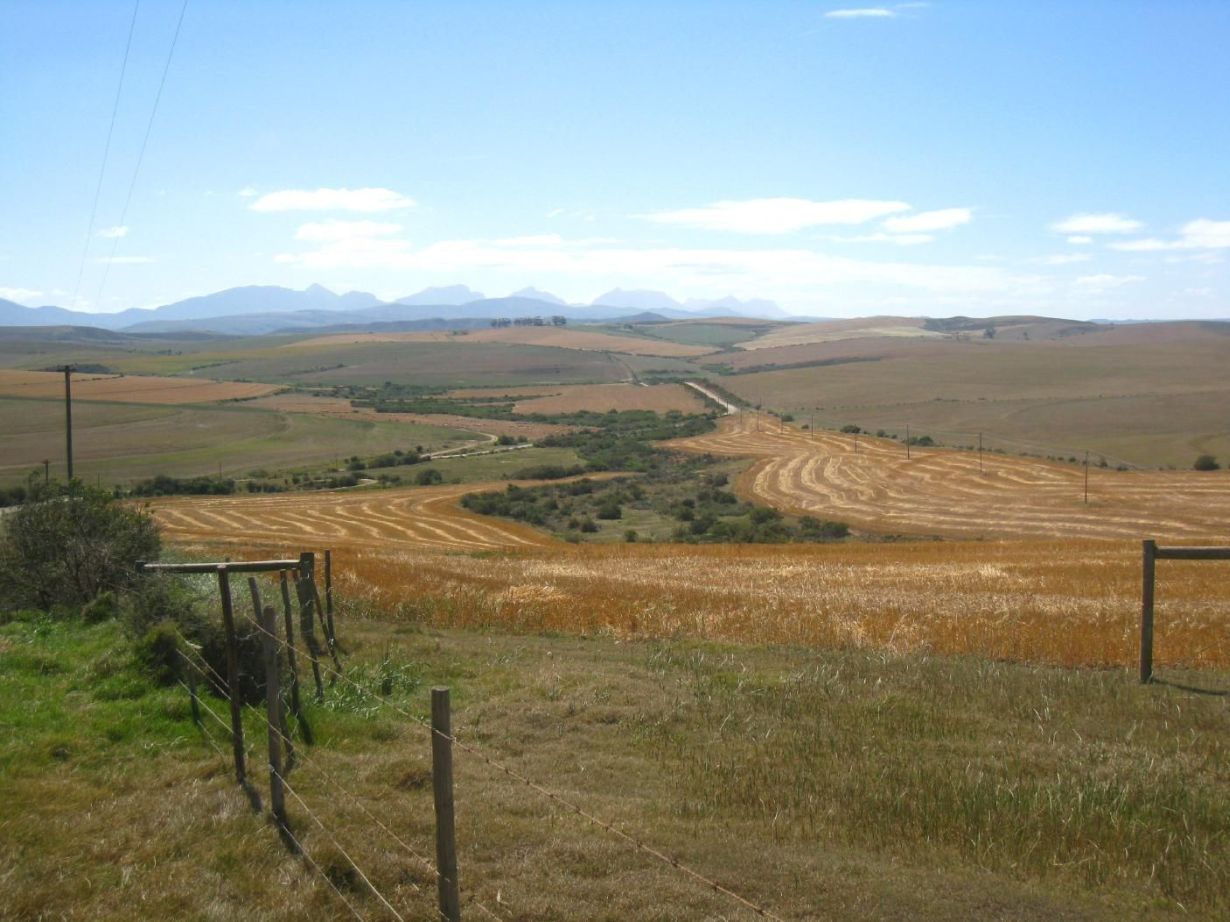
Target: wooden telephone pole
x,y
68,414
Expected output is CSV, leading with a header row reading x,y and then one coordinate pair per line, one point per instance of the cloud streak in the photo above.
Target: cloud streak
x,y
1096,223
870,12
928,221
360,200
777,215
1201,234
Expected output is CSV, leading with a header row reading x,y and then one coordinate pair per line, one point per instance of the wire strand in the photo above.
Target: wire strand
x,y
633,841
102,170
149,127
338,845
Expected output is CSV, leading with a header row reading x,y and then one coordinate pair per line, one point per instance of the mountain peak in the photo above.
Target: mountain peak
x,y
443,294
539,295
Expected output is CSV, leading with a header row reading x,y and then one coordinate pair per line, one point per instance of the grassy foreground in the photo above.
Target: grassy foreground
x,y
843,785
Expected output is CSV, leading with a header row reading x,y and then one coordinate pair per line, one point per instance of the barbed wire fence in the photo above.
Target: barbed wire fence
x,y
280,647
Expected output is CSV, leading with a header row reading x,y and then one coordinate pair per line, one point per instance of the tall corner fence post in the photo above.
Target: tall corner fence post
x,y
442,788
232,685
1148,568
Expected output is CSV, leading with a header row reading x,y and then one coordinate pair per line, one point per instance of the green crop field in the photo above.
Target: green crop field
x,y
118,443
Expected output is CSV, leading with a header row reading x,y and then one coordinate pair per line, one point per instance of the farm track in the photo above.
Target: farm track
x,y
421,517
942,492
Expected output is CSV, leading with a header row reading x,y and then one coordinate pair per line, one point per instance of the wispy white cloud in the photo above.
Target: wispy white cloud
x,y
1201,234
19,294
362,200
777,215
1099,223
789,274
1103,282
903,240
113,233
329,231
1080,239
1063,259
927,221
125,260
248,192
870,12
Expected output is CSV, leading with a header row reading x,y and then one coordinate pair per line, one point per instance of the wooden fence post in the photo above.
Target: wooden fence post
x,y
232,686
270,634
442,788
296,705
329,632
329,644
1149,557
273,712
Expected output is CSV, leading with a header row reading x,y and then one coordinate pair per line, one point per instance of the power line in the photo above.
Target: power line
x,y
149,127
115,107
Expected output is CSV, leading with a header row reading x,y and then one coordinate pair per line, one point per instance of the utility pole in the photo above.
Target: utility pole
x,y
907,440
68,415
1086,476
979,452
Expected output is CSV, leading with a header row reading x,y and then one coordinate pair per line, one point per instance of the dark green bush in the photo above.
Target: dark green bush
x,y
1206,463
66,545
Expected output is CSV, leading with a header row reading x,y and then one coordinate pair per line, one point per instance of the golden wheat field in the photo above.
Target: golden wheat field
x,y
1067,602
872,485
128,389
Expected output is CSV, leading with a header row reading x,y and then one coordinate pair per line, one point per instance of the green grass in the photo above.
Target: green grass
x,y
874,786
501,465
121,443
706,334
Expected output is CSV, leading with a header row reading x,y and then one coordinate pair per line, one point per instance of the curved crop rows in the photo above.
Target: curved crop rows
x,y
421,517
872,485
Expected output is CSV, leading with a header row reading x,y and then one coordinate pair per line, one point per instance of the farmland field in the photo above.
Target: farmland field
x,y
596,398
560,337
1147,401
871,484
118,443
128,389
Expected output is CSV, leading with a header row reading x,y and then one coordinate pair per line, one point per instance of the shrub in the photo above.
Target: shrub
x,y
67,545
1206,463
428,476
851,429
104,607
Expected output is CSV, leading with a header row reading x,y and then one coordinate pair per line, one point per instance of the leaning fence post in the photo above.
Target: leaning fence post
x,y
1149,556
329,632
273,711
303,589
232,686
442,788
296,705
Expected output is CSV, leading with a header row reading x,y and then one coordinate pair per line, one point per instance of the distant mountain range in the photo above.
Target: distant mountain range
x,y
259,309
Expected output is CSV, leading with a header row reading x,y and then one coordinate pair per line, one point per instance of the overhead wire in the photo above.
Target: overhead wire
x,y
149,127
102,169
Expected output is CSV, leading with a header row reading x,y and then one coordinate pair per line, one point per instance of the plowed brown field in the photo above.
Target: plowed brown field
x,y
943,492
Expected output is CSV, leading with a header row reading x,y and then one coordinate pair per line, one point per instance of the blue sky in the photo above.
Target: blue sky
x,y
842,159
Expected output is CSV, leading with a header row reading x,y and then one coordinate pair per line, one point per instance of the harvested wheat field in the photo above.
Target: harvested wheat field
x,y
128,389
421,518
1070,603
872,485
560,337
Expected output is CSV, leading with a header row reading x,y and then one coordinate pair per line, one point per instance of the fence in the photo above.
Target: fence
x,y
1151,554
283,756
